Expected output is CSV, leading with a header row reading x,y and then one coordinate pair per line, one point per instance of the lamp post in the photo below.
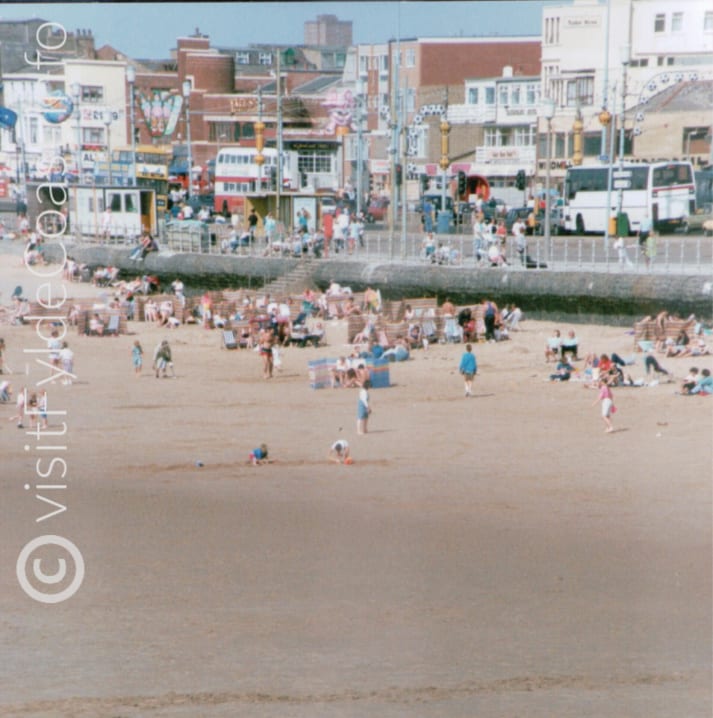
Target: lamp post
x,y
625,58
131,79
548,112
359,174
77,96
107,116
186,96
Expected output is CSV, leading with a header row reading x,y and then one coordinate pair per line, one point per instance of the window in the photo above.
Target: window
x,y
671,175
363,64
677,22
92,93
115,202
580,91
92,136
51,136
242,58
314,161
130,205
643,62
34,130
265,58
531,94
708,21
384,64
660,23
492,137
489,95
524,136
503,95
472,95
410,100
515,95
411,58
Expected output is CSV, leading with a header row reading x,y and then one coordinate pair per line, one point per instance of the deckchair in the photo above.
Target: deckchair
x,y
229,341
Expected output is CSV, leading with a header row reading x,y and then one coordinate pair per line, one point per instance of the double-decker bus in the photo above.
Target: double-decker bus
x,y
237,175
152,162
666,191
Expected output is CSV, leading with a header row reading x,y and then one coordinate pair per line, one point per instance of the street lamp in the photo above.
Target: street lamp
x,y
107,117
186,96
359,118
625,54
131,79
77,96
547,110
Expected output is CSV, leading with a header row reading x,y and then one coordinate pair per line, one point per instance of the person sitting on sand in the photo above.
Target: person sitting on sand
x,y
552,347
569,345
339,372
339,452
563,371
690,381
96,325
259,455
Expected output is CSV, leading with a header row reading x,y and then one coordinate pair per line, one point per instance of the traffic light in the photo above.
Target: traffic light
x,y
371,182
399,175
462,183
520,179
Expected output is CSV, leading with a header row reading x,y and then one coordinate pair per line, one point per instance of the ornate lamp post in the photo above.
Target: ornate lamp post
x,y
107,118
547,109
444,161
77,96
131,79
186,96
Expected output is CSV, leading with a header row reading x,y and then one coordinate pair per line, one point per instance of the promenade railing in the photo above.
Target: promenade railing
x,y
674,253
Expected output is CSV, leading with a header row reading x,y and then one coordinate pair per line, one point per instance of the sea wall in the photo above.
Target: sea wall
x,y
614,296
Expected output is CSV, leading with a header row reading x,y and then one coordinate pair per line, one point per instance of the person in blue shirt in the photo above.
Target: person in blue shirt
x,y
704,385
468,368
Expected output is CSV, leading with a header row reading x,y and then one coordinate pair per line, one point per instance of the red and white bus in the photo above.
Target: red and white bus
x,y
237,175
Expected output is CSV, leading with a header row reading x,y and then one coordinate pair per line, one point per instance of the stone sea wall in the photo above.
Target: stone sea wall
x,y
613,297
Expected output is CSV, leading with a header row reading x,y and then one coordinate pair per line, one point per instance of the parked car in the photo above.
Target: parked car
x,y
377,209
701,221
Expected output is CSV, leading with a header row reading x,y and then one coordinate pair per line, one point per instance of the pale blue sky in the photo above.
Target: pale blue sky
x,y
149,30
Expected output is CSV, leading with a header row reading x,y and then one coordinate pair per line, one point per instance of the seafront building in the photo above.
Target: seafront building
x,y
345,113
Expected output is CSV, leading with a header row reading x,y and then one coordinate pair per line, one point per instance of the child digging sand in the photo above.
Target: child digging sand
x,y
339,452
259,455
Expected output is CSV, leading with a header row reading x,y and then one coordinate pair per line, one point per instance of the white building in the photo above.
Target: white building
x,y
598,54
101,89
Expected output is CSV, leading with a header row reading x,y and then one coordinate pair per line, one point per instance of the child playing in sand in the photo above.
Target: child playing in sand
x,y
137,353
607,399
259,455
339,452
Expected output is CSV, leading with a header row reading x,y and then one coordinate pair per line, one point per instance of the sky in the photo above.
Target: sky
x,y
149,30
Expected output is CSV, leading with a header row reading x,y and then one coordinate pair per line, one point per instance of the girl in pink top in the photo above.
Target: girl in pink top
x,y
608,408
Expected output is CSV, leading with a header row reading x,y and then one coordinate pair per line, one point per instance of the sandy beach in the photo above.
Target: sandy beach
x,y
493,556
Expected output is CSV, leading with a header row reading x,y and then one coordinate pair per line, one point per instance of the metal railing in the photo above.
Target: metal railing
x,y
675,253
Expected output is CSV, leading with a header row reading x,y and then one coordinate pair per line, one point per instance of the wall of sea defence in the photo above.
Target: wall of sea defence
x,y
613,298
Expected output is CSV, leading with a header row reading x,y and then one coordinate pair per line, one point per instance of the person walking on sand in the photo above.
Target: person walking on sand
x,y
137,354
608,408
363,408
265,341
468,368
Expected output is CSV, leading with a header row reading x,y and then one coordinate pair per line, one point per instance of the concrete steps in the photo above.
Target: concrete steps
x,y
294,282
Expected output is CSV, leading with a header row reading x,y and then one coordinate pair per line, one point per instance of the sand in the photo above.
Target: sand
x,y
493,556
